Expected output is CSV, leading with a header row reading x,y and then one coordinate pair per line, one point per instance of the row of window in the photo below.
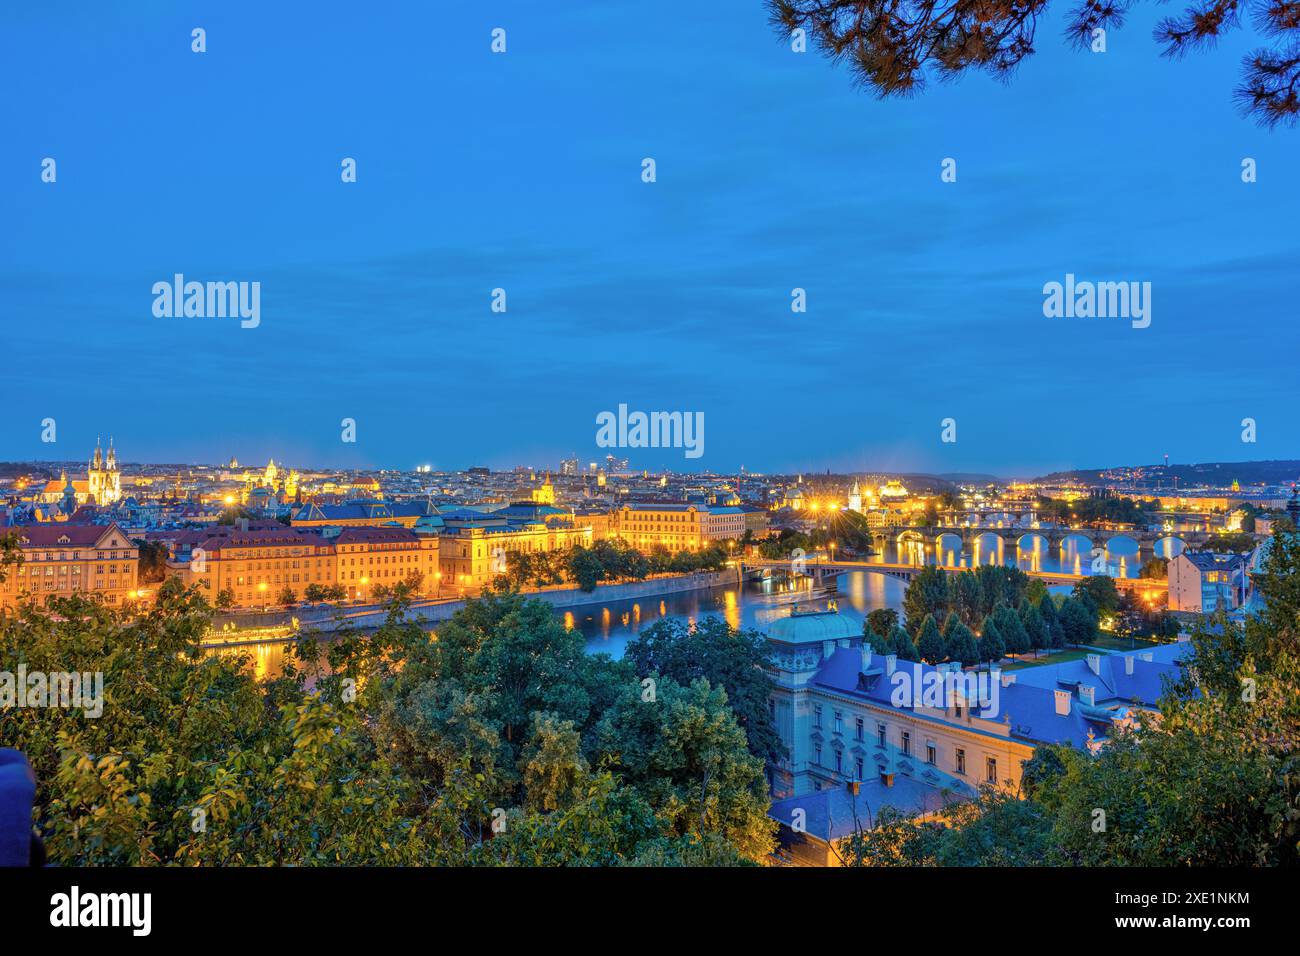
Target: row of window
x,y
931,755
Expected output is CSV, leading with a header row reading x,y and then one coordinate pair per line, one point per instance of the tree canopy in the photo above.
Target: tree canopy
x,y
894,48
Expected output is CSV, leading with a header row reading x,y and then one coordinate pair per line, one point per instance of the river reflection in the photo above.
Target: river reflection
x,y
608,627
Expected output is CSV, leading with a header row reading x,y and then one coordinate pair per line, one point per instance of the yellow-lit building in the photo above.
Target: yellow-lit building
x,y
60,560
473,546
382,557
254,565
677,527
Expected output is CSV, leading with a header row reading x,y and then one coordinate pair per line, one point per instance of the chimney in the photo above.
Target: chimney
x,y
886,779
866,656
828,648
1062,703
1147,656
1128,663
855,787
1094,663
891,661
1008,679
995,674
1087,695
243,524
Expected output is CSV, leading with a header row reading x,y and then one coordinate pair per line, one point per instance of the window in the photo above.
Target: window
x,y
880,734
907,743
839,722
991,766
817,755
817,716
839,761
929,754
858,768
859,723
961,761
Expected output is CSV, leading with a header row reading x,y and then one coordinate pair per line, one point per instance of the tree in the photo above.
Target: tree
x,y
1015,639
926,594
685,752
1078,622
879,644
1051,622
882,621
901,646
949,622
1100,591
153,561
1155,569
225,599
961,646
930,644
287,597
968,597
553,766
713,650
1035,629
992,647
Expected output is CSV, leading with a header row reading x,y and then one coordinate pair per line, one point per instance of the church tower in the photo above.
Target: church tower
x,y
105,482
855,497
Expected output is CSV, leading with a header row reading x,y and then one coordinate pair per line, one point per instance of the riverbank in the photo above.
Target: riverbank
x,y
327,618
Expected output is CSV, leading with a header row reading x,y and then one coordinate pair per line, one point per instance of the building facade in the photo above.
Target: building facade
x,y
60,560
1202,582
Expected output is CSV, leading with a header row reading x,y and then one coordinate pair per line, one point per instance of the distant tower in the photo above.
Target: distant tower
x,y
104,484
855,497
69,495
1293,508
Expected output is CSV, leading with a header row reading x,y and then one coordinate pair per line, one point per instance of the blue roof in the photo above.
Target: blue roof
x,y
1027,704
829,813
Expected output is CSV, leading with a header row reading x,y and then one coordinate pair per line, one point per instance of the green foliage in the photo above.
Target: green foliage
x,y
930,644
926,594
961,646
1100,592
900,644
731,659
1214,781
882,621
992,646
498,742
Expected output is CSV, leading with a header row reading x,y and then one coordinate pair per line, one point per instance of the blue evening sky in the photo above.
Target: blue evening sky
x,y
523,171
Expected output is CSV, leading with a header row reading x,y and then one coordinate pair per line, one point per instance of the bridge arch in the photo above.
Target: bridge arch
x,y
1032,541
1127,545
1170,546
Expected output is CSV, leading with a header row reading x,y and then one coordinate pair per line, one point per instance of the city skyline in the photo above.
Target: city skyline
x,y
924,298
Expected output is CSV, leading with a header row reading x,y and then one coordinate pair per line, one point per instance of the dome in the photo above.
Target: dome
x,y
811,627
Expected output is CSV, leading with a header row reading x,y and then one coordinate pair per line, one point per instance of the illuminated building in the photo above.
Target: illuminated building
x,y
383,557
473,545
60,560
677,527
254,565
861,729
103,484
